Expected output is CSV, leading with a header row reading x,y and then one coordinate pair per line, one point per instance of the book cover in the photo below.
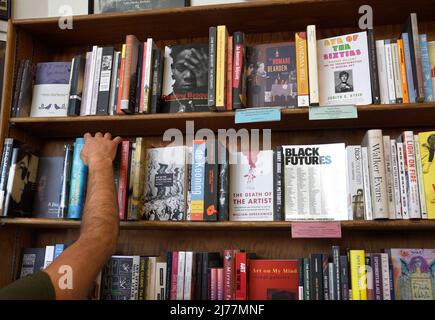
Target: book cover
x,y
105,81
228,275
376,96
76,85
223,183
239,70
157,80
212,38
197,181
344,70
24,102
272,76
221,63
229,76
78,182
165,183
278,211
427,78
302,69
390,71
273,280
427,153
358,275
355,199
211,204
209,260
382,71
251,186
49,187
409,68
95,81
85,96
185,78
368,210
402,70
51,90
396,179
413,273
130,74
66,179
315,182
32,261
403,184
8,146
313,75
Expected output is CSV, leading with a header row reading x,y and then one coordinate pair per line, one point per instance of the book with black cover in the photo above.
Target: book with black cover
x,y
32,261
157,80
76,85
105,81
24,102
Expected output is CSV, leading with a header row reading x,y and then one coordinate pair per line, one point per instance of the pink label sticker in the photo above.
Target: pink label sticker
x,y
318,229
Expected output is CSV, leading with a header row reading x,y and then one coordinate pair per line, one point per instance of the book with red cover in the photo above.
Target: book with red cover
x,y
273,280
174,273
123,180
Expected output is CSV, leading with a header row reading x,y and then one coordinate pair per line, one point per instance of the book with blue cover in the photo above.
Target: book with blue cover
x,y
78,182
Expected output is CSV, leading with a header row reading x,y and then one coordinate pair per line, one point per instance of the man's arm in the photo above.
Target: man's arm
x,y
100,222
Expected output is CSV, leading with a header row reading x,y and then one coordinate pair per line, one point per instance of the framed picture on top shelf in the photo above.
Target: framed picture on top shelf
x,y
5,9
106,6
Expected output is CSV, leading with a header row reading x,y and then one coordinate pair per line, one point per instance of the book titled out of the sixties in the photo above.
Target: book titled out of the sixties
x,y
344,70
51,90
78,182
48,190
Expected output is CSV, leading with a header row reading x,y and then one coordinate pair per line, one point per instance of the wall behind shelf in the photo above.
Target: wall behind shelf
x,y
28,9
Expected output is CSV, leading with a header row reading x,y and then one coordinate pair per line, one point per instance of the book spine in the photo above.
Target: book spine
x,y
17,88
431,48
386,289
396,70
187,294
78,182
168,275
114,82
129,74
396,180
389,176
76,86
174,276
241,276
358,275
49,256
223,183
66,180
130,179
402,180
368,211
212,68
136,93
336,262
211,182
213,284
377,276
157,99
91,80
147,86
331,281
428,90
138,179
180,274
135,278
220,284
96,81
142,108
355,200
376,95
344,278
373,140
402,70
409,69
105,81
325,275
312,65
307,279
221,71
198,181
198,276
369,277
123,178
154,82
382,71
5,168
229,83
300,278
278,211
58,249
390,72
142,277
228,289
121,80
418,75
419,168
205,277
302,69
86,96
10,182
239,71
411,175
24,104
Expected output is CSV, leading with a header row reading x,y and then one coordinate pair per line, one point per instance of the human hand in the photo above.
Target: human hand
x,y
197,62
99,148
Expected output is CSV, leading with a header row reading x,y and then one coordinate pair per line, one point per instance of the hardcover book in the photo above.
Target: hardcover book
x,y
413,272
273,280
271,79
315,182
251,186
165,183
344,70
51,90
185,78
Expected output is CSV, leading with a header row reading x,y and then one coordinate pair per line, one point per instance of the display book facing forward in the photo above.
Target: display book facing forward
x,y
354,274
227,74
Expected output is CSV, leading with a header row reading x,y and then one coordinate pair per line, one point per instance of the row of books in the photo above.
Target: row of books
x,y
394,274
228,74
383,178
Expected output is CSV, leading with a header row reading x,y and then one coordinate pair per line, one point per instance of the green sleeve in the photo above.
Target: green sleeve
x,y
37,286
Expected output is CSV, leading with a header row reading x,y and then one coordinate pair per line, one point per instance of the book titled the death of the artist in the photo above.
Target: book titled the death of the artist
x,y
315,182
165,183
251,186
344,70
51,90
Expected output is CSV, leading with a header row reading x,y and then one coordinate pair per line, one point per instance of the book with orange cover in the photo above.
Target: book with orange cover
x,y
402,65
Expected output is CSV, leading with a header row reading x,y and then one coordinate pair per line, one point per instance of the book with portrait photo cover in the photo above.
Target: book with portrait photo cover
x,y
344,70
185,78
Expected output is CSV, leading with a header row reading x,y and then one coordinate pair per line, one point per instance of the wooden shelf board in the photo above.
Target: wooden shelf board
x,y
371,116
224,226
260,16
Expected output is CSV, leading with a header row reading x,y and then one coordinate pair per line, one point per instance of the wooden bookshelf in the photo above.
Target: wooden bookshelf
x,y
266,21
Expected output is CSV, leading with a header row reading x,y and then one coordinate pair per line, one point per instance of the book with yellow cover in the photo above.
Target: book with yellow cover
x,y
302,69
358,276
427,152
221,69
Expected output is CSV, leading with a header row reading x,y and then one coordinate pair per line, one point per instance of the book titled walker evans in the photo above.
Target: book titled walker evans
x,y
273,280
344,70
251,186
185,78
272,81
413,273
165,183
78,182
315,182
51,90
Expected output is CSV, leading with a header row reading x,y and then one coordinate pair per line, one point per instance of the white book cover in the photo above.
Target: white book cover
x,y
368,210
188,276
402,180
344,70
389,176
49,256
407,137
396,70
421,192
355,186
180,275
88,90
390,72
96,83
315,182
135,278
85,97
396,179
313,75
251,186
147,76
160,278
382,71
373,140
331,280
386,287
